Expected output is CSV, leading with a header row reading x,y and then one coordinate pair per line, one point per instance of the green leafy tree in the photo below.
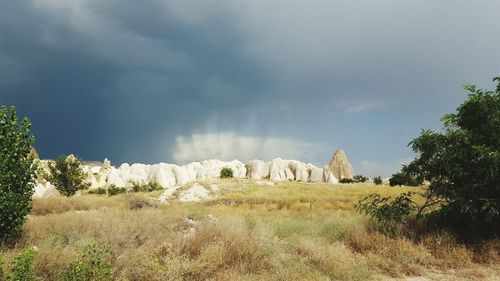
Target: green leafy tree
x,y
226,173
462,165
462,162
17,172
67,175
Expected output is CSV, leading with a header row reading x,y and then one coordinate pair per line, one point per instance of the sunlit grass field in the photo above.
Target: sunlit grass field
x,y
249,231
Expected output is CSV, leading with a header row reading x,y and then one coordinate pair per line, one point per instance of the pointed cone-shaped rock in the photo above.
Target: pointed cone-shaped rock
x,y
339,166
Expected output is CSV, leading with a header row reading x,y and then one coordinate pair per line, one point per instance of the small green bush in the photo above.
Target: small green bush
x,y
115,190
98,191
92,264
377,180
360,178
346,180
67,175
144,187
22,268
226,173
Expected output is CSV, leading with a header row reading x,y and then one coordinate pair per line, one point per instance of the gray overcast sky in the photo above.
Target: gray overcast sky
x,y
177,81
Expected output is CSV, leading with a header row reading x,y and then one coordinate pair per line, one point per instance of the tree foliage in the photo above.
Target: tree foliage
x,y
404,178
383,209
17,171
67,175
462,164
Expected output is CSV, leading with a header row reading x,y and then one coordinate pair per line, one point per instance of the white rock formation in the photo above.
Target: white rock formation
x,y
162,175
258,169
339,166
329,177
281,170
171,176
114,178
278,170
196,192
299,170
315,173
45,190
167,194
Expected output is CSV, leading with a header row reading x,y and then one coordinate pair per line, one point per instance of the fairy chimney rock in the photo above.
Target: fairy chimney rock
x,y
339,166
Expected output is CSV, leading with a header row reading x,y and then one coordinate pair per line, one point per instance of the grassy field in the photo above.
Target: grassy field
x,y
289,231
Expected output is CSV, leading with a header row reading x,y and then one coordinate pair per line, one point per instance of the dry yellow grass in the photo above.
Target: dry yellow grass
x,y
289,231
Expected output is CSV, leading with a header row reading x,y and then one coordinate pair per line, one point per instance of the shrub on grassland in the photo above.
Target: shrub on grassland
x,y
98,191
92,264
360,178
137,186
115,190
346,180
226,173
22,268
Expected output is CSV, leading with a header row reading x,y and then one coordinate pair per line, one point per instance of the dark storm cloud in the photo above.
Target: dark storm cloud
x,y
129,80
88,93
57,87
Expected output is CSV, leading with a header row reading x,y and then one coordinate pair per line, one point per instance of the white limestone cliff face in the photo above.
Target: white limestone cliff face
x,y
315,173
170,176
329,177
281,170
258,169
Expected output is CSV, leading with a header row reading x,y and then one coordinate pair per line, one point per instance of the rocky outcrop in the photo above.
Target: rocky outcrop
x,y
315,173
339,166
258,169
43,190
171,176
328,176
